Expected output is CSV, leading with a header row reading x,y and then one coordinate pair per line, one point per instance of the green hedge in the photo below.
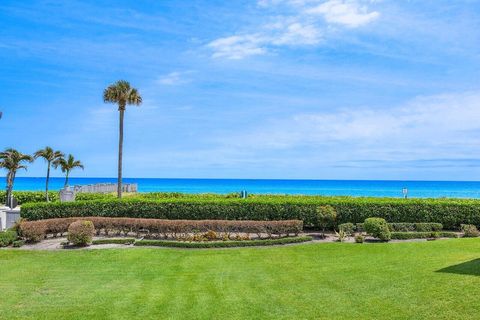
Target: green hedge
x,y
423,235
29,196
114,241
39,196
449,212
221,244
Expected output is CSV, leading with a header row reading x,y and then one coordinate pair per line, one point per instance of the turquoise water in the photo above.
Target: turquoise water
x,y
373,188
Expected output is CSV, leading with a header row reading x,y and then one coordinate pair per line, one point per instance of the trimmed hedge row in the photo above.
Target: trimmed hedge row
x,y
350,228
423,235
114,241
37,230
222,244
449,212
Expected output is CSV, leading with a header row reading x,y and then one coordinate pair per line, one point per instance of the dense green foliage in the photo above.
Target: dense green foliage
x,y
449,212
114,241
420,227
30,196
416,280
222,244
423,235
325,216
7,237
377,228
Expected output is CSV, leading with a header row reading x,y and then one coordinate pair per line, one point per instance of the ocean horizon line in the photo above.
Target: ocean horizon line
x,y
267,179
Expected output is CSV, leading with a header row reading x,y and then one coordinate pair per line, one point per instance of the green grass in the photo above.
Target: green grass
x,y
416,280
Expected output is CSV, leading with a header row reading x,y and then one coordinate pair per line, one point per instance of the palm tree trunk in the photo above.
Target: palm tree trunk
x,y
66,178
7,194
46,183
120,153
11,177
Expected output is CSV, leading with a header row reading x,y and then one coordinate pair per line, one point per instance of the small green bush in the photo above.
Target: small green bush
x,y
81,232
18,243
359,238
470,230
7,238
325,216
377,228
348,228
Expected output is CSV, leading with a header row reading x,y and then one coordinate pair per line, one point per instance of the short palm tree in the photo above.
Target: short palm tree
x,y
50,156
67,165
122,94
13,160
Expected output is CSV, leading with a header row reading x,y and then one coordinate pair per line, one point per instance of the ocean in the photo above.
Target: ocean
x,y
370,188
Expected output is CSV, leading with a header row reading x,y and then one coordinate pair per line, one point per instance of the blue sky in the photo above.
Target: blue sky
x,y
248,89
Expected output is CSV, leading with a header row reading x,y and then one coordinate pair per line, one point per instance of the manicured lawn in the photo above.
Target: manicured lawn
x,y
427,280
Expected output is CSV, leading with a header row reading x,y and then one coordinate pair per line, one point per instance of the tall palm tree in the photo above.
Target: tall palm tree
x,y
50,156
12,160
122,94
67,165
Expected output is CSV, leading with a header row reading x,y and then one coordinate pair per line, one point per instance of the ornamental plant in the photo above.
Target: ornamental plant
x,y
326,216
80,232
377,228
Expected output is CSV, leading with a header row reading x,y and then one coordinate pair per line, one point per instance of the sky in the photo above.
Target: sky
x,y
280,89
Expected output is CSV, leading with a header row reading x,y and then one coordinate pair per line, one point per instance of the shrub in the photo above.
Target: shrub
x,y
80,232
420,227
7,238
449,212
325,216
377,228
222,244
341,235
33,231
37,230
18,243
359,227
359,238
211,235
348,228
114,241
470,231
422,235
30,196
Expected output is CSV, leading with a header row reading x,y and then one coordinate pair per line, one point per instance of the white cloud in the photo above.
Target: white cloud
x,y
280,33
348,13
174,78
297,34
237,47
304,25
442,126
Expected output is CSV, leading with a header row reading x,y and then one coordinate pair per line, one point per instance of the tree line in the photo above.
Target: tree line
x,y
13,160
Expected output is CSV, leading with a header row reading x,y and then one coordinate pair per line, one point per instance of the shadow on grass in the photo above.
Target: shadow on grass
x,y
470,268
